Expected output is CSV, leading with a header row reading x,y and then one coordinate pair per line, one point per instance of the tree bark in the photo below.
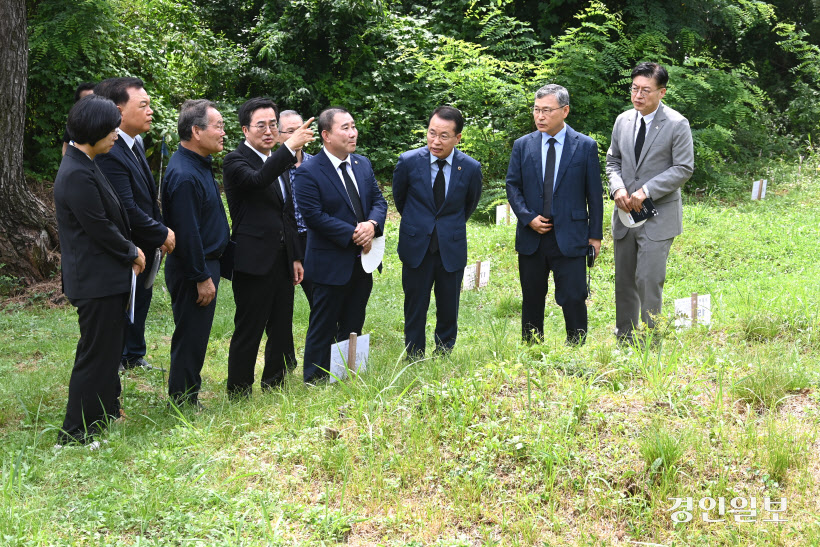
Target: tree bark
x,y
28,227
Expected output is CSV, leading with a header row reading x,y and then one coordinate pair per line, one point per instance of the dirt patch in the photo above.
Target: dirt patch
x,y
44,293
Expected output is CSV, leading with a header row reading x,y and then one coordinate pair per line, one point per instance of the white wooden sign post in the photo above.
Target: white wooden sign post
x,y
350,355
504,215
759,189
695,310
476,276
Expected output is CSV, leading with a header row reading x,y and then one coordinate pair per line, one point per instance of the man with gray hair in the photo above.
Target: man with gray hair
x,y
554,188
192,207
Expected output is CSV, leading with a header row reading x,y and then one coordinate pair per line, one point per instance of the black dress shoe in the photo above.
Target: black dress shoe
x,y
139,362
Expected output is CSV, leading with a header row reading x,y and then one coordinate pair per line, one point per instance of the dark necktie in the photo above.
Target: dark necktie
x,y
639,140
139,152
352,193
549,178
439,185
438,197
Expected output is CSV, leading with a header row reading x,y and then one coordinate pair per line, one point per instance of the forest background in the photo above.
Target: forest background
x,y
744,72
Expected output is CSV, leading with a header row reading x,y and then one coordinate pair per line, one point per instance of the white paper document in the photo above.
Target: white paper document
x,y
132,297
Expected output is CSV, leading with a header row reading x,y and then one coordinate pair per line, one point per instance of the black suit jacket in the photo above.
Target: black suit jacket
x,y
135,185
262,217
94,232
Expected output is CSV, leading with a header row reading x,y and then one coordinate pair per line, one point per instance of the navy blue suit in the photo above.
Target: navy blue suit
x,y
423,268
332,260
131,177
577,213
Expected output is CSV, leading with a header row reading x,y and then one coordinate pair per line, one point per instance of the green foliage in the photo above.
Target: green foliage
x,y
163,42
67,46
744,73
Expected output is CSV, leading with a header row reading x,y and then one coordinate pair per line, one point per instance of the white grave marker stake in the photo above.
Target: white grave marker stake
x,y
349,355
694,310
759,189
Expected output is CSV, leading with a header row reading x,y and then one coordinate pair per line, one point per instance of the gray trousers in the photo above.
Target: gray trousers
x,y
640,272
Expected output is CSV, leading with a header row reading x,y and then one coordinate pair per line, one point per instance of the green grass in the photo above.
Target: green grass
x,y
499,444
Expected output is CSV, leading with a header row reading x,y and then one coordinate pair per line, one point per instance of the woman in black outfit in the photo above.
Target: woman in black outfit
x,y
98,259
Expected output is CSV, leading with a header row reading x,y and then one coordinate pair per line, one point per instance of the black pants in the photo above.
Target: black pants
x,y
94,388
192,330
569,275
134,347
337,311
264,303
306,284
417,283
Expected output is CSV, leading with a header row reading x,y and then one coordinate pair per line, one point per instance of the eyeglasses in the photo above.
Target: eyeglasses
x,y
641,91
546,111
289,131
444,137
219,126
261,127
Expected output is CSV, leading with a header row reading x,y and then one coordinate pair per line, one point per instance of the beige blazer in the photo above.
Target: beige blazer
x,y
666,163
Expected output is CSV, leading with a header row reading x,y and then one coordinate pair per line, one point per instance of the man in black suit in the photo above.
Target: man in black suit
x,y
192,207
98,259
126,167
344,210
267,260
436,188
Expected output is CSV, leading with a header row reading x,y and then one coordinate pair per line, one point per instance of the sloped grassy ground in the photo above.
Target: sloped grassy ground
x,y
500,444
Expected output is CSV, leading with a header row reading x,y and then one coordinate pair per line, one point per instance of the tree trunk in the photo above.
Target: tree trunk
x,y
28,233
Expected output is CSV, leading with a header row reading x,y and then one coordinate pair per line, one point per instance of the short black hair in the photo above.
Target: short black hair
x,y
652,70
85,86
450,114
325,120
194,112
91,119
116,89
252,105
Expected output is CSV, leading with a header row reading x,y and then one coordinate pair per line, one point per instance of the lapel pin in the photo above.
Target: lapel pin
x,y
459,168
356,162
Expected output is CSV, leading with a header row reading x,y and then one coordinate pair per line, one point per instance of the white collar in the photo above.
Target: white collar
x,y
258,153
336,161
129,140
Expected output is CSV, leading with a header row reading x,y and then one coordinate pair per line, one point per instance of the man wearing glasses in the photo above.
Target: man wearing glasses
x,y
554,187
289,122
192,208
436,188
650,156
267,258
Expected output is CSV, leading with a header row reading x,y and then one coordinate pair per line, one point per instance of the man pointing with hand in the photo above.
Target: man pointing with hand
x,y
267,258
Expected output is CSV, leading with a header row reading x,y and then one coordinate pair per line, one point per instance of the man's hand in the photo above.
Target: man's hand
x,y
364,232
170,242
596,243
541,225
206,291
636,201
366,248
301,136
298,272
139,263
622,200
